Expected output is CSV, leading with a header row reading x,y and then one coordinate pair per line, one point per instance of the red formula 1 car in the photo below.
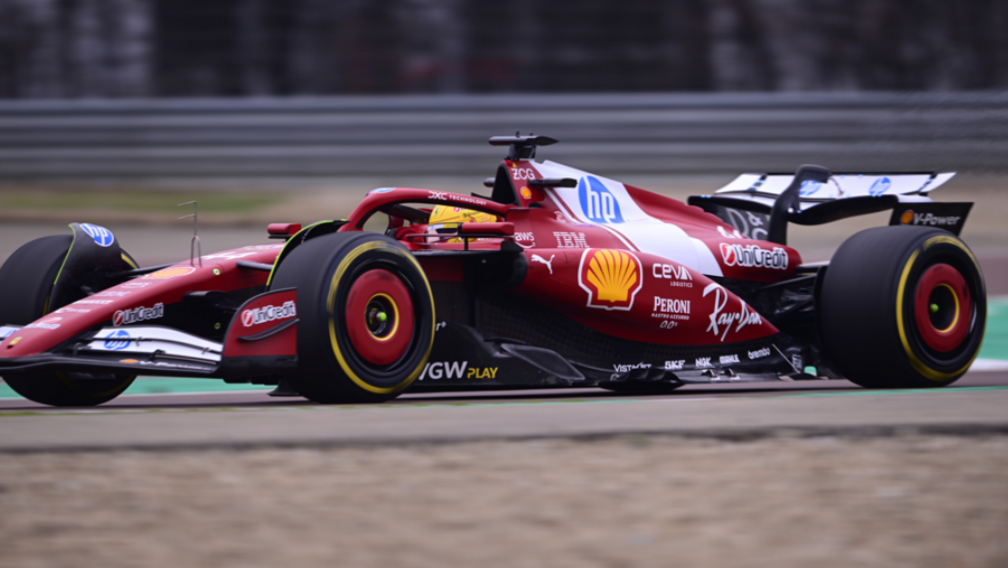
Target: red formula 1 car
x,y
563,279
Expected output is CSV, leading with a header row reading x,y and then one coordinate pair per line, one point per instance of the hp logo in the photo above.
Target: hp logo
x,y
808,187
879,187
102,236
597,203
118,341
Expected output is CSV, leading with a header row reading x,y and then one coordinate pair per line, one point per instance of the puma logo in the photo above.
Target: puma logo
x,y
537,258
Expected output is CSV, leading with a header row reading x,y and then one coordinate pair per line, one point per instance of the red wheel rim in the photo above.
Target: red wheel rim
x,y
942,308
379,317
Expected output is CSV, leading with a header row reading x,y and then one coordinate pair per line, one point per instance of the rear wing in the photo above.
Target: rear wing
x,y
746,202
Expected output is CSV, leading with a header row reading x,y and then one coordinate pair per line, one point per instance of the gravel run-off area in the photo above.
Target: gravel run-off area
x,y
899,500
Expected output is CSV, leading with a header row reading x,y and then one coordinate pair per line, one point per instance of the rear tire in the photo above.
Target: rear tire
x,y
902,307
366,317
26,283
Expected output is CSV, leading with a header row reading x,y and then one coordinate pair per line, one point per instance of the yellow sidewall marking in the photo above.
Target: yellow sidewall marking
x,y
331,305
73,239
915,362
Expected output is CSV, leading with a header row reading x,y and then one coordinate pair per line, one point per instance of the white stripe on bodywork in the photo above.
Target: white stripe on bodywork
x,y
639,231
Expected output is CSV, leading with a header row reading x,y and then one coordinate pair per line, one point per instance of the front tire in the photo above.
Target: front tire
x,y
903,307
26,284
366,317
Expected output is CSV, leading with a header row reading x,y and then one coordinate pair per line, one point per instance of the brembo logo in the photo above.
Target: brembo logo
x,y
754,256
612,278
256,316
597,202
124,317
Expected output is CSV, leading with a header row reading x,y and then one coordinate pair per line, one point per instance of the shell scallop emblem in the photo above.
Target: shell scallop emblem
x,y
907,217
611,278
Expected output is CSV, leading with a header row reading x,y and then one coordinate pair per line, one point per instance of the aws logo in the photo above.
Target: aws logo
x,y
612,278
597,203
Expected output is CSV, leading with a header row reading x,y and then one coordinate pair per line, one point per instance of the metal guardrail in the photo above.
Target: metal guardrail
x,y
446,135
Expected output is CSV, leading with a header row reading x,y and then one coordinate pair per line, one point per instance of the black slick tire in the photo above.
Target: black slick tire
x,y
26,283
882,318
330,272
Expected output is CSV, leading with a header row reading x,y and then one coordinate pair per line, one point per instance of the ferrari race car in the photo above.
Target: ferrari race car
x,y
558,278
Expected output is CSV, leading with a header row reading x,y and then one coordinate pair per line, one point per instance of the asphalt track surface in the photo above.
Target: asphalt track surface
x,y
977,403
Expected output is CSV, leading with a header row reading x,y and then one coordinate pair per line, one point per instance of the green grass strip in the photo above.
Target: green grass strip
x,y
136,201
161,385
995,344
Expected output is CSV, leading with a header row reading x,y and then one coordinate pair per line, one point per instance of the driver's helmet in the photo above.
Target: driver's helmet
x,y
447,217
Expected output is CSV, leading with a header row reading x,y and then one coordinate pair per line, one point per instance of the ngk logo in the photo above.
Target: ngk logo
x,y
256,316
124,317
753,255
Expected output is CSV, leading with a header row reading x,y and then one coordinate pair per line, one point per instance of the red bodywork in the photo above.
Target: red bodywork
x,y
665,301
596,273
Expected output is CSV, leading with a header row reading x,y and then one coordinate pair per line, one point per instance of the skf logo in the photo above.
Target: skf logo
x,y
597,202
612,278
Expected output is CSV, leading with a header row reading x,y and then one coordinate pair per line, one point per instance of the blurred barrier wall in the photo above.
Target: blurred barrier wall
x,y
237,48
398,136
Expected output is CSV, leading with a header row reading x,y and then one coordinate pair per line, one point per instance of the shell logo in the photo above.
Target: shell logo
x,y
907,217
526,193
172,272
612,278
